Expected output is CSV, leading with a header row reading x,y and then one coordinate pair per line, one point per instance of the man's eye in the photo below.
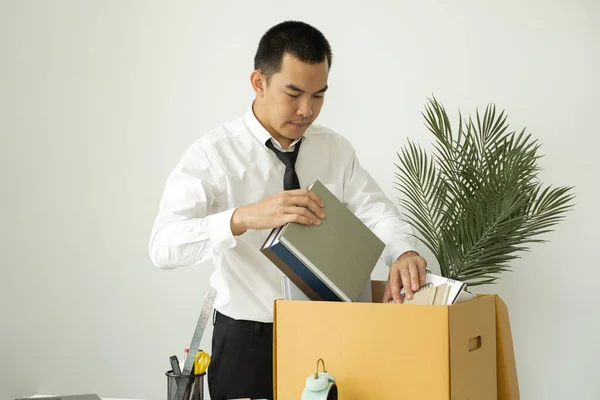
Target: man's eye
x,y
318,97
295,96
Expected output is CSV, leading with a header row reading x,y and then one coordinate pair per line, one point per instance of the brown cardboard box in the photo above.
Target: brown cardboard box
x,y
392,352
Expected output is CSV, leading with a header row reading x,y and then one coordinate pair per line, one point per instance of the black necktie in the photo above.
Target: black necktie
x,y
290,179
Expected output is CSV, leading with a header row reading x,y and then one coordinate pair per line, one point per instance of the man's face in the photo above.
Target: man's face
x,y
294,96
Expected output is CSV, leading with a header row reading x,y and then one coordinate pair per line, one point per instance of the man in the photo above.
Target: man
x,y
237,182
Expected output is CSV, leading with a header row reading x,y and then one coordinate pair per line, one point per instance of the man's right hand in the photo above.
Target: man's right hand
x,y
301,205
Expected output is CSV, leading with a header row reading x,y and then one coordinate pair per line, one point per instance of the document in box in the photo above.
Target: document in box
x,y
455,288
430,294
425,295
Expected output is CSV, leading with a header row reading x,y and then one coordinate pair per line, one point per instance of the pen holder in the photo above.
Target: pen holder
x,y
194,386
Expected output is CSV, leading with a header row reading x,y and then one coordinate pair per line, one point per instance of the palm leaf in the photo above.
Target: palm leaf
x,y
476,202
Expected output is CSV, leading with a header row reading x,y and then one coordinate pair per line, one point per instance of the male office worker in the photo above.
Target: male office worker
x,y
245,177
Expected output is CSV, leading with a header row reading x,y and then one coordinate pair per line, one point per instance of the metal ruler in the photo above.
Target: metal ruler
x,y
188,366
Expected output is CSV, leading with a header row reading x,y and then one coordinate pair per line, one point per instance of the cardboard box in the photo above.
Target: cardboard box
x,y
391,352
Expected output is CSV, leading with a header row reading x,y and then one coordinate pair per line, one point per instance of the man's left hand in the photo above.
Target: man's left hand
x,y
407,272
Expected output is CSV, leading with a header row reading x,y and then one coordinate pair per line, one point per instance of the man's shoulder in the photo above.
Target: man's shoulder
x,y
228,131
322,132
209,146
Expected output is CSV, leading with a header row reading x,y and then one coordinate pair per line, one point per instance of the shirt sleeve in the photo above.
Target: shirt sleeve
x,y
368,202
193,223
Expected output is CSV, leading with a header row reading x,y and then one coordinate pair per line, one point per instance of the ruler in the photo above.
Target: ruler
x,y
188,366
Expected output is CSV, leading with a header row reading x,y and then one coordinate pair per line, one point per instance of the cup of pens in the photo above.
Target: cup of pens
x,y
182,386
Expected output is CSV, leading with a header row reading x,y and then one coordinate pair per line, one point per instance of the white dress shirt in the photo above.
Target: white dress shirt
x,y
230,167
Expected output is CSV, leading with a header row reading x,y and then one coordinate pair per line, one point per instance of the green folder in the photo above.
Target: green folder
x,y
342,251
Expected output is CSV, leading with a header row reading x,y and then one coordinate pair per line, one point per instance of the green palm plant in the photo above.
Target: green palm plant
x,y
477,202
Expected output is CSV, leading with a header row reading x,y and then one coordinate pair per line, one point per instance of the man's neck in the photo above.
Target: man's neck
x,y
259,113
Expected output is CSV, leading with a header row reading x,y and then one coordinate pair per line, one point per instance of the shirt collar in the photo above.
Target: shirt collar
x,y
262,135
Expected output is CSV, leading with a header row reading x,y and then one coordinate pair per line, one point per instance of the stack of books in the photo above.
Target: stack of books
x,y
332,261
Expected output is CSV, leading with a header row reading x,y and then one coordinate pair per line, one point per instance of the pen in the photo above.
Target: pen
x,y
175,365
185,356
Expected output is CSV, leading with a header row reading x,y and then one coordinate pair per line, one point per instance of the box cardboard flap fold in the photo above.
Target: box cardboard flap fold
x,y
472,339
508,384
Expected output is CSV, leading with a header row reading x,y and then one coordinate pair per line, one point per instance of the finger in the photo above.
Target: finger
x,y
387,293
405,276
306,201
423,271
414,276
303,212
394,282
305,192
313,196
301,219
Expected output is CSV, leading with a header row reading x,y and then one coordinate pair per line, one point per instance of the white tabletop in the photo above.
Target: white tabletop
x,y
106,398
103,398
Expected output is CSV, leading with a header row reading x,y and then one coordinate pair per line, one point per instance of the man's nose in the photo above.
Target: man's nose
x,y
305,110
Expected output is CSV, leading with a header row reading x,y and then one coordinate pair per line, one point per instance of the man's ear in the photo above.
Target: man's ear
x,y
259,82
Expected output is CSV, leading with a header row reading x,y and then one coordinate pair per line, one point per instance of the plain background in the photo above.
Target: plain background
x,y
98,100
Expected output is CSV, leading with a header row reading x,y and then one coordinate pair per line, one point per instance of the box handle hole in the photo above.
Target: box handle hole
x,y
475,343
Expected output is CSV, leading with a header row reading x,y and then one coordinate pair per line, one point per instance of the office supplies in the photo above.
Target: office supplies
x,y
175,365
205,313
193,389
429,294
454,290
182,361
425,295
201,362
455,286
441,294
332,261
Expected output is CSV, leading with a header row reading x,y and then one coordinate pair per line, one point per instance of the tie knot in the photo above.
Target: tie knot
x,y
288,158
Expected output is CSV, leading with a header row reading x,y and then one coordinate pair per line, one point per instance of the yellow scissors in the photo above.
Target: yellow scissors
x,y
201,362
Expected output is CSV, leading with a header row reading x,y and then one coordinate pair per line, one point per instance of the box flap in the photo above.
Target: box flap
x,y
473,349
508,385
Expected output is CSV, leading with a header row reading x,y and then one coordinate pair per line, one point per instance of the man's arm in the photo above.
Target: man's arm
x,y
185,231
194,223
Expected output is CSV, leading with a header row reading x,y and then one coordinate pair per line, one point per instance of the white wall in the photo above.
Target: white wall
x,y
98,99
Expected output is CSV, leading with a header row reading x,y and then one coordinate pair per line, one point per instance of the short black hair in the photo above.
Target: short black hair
x,y
299,39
